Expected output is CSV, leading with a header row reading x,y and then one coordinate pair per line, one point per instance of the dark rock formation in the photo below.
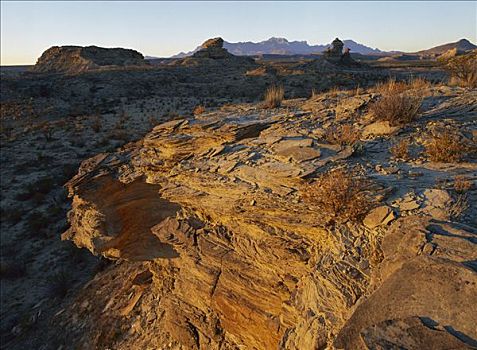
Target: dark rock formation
x,y
335,54
335,50
73,59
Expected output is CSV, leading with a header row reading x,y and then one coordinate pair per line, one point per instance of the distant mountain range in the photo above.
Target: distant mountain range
x,y
281,46
461,45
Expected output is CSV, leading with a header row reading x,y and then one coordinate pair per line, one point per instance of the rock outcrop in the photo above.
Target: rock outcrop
x,y
336,55
335,50
213,48
213,52
74,59
218,250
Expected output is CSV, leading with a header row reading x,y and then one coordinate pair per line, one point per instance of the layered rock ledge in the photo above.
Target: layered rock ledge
x,y
217,249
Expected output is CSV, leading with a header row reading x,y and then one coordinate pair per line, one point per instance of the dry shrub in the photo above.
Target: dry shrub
x,y
462,184
458,206
342,135
446,146
397,108
463,70
199,110
400,102
340,194
274,96
400,150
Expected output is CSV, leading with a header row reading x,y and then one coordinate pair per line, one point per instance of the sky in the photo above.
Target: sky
x,y
165,28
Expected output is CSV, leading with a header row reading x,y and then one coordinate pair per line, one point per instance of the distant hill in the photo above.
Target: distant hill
x,y
281,46
460,46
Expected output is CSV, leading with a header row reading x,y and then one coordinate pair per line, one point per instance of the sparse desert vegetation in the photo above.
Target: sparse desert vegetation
x,y
400,150
341,194
399,104
462,184
343,135
198,173
447,146
463,70
274,96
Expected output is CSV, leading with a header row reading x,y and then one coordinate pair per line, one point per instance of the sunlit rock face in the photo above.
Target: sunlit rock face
x,y
216,248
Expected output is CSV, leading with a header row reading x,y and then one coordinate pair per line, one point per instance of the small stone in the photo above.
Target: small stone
x,y
413,173
391,170
379,128
379,216
409,205
252,202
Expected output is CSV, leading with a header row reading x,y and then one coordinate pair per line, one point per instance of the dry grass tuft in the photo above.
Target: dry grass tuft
x,y
400,150
419,84
334,92
392,86
340,194
462,184
314,93
446,146
274,96
199,110
343,135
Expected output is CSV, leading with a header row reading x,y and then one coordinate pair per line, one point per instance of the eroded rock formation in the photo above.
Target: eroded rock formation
x,y
336,55
213,52
219,251
73,59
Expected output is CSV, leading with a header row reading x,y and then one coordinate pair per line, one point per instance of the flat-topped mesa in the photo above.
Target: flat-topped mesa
x,y
74,59
213,48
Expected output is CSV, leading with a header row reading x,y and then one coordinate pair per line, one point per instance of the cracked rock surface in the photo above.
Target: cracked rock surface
x,y
215,248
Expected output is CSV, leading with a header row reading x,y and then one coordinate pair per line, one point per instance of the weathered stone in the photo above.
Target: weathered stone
x,y
380,128
379,216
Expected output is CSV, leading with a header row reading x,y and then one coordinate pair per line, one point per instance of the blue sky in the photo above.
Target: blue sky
x,y
165,28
